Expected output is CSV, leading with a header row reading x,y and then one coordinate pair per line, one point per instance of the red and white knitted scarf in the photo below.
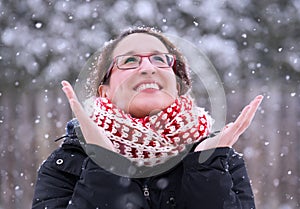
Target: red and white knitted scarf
x,y
153,139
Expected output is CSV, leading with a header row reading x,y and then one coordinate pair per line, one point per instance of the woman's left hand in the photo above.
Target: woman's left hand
x,y
231,132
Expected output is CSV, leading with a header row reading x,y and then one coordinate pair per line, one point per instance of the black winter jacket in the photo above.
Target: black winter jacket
x,y
70,178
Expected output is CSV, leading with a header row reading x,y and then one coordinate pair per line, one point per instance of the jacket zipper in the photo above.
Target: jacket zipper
x,y
146,193
172,202
145,189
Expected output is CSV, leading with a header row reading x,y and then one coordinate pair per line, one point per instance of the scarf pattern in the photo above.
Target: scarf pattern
x,y
153,139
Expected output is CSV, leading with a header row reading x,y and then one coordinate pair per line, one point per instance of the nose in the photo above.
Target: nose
x,y
146,67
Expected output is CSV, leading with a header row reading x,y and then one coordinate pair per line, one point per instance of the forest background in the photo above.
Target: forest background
x,y
254,46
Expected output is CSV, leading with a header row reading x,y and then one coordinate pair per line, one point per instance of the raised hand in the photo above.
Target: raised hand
x,y
231,132
91,132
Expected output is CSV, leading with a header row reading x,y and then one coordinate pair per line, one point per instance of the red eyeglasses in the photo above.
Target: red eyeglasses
x,y
129,62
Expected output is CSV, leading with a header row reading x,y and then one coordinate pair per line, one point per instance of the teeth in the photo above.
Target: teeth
x,y
147,86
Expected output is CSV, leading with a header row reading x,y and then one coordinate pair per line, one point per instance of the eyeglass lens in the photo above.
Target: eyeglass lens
x,y
134,61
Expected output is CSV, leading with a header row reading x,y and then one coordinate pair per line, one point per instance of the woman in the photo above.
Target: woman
x,y
129,136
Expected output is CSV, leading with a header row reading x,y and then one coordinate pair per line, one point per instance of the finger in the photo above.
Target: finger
x,y
240,120
72,98
253,109
231,132
91,132
255,104
76,107
68,90
247,116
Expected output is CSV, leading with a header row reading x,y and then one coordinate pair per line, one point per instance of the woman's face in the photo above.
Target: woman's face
x,y
146,89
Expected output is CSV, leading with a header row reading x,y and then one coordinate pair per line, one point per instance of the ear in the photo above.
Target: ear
x,y
103,91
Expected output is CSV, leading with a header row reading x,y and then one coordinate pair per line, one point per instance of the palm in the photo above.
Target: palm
x,y
231,132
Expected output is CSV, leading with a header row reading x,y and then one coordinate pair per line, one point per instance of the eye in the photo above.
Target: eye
x,y
130,60
159,58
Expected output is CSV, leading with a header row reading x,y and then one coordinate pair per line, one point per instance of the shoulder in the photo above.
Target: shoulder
x,y
67,158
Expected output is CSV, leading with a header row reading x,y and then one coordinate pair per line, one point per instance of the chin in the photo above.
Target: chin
x,y
144,106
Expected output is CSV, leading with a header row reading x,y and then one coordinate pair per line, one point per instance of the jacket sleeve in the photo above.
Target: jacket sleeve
x,y
241,182
216,179
56,179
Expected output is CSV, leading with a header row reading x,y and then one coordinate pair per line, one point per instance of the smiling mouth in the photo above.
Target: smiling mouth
x,y
144,86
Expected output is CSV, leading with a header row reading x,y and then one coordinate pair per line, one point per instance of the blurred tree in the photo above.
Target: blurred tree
x,y
254,46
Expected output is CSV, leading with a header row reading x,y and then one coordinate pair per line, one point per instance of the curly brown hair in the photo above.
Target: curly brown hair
x,y
105,58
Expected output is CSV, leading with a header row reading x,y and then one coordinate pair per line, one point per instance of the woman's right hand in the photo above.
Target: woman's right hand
x,y
92,133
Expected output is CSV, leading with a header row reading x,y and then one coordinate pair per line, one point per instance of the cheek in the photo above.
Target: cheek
x,y
120,81
171,82
120,88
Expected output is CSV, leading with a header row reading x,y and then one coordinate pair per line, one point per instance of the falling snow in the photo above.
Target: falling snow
x,y
254,48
